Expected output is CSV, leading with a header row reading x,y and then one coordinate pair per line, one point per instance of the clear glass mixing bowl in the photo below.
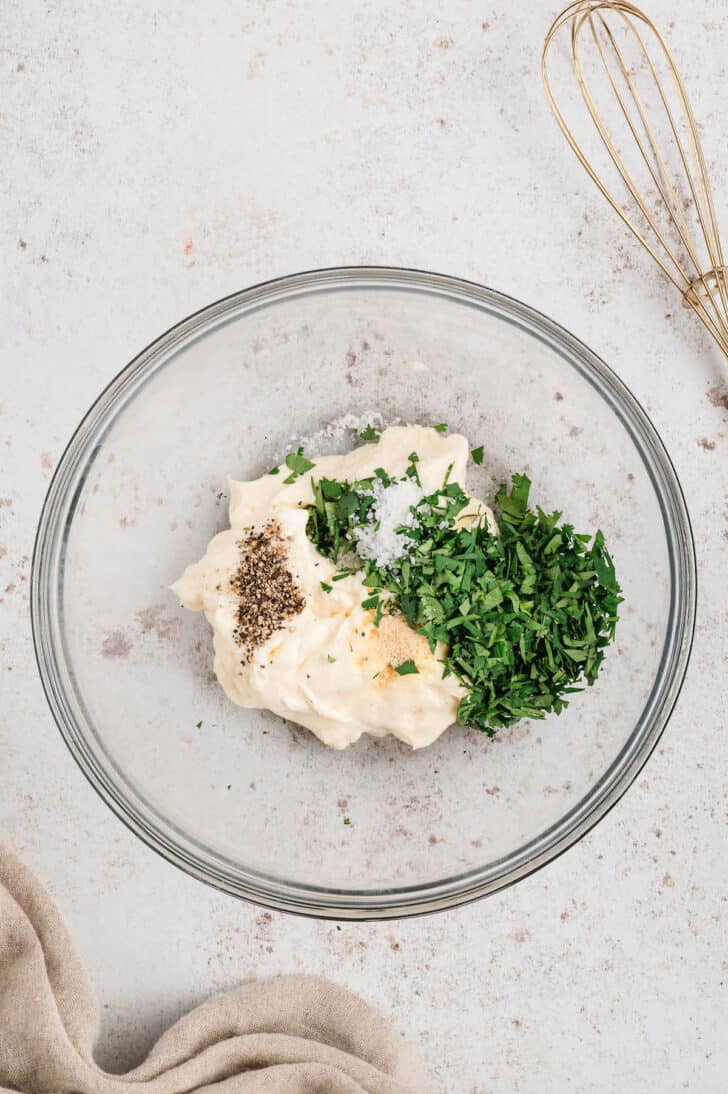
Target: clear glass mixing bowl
x,y
252,805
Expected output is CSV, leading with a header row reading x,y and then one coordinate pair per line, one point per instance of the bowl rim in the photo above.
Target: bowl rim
x,y
396,902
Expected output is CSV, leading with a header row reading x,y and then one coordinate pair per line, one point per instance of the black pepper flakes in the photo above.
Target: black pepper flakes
x,y
266,592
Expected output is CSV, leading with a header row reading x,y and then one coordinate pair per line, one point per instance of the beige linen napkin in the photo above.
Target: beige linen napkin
x,y
292,1035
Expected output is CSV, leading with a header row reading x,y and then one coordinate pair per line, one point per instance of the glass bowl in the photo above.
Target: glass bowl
x,y
257,807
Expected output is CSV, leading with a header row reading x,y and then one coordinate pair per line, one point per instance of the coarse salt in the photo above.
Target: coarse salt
x,y
379,541
334,432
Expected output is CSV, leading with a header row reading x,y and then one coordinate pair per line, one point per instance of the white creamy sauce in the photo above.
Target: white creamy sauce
x,y
329,668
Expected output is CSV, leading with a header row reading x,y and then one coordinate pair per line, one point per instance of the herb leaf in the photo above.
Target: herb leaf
x,y
477,455
297,464
407,668
369,434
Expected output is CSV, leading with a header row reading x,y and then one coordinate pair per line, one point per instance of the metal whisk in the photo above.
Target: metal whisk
x,y
614,46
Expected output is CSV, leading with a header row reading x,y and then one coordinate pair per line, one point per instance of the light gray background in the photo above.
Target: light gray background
x,y
157,156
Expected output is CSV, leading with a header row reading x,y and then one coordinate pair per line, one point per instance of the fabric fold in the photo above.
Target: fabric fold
x,y
288,1035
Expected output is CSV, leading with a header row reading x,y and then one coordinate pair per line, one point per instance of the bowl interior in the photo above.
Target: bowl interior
x,y
244,799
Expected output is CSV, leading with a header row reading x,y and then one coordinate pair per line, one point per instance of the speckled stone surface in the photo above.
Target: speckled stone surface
x,y
158,156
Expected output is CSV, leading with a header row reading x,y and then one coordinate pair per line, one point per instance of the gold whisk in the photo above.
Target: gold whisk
x,y
674,216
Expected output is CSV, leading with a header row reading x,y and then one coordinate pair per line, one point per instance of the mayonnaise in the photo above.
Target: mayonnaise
x,y
328,667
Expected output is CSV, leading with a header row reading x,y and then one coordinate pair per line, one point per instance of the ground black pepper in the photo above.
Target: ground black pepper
x,y
266,592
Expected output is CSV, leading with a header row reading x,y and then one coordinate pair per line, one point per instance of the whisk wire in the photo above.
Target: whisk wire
x,y
696,267
566,16
698,179
663,182
612,148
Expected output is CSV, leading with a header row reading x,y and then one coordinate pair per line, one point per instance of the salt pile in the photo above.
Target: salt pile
x,y
379,541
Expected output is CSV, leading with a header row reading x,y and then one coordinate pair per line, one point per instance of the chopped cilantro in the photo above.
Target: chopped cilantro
x,y
369,434
477,455
441,427
347,820
407,668
274,471
220,495
198,725
326,587
330,659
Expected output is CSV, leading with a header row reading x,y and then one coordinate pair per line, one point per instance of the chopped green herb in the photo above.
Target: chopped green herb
x,y
220,495
274,471
338,928
326,587
198,725
407,668
441,427
525,615
229,786
369,434
341,575
331,659
477,455
347,820
297,464
412,472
